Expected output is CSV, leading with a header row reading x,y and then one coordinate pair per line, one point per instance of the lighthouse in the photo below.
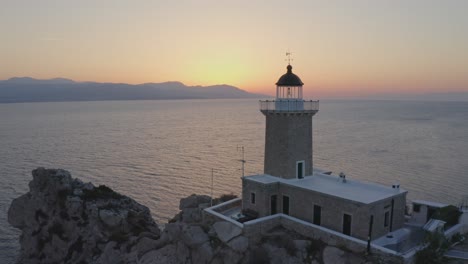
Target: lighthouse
x,y
288,132
291,186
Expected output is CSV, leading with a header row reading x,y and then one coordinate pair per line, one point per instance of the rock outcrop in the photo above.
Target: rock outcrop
x,y
64,220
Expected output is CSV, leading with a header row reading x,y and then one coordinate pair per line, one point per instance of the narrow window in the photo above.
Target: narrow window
x,y
386,218
252,198
317,215
347,224
416,208
300,169
285,205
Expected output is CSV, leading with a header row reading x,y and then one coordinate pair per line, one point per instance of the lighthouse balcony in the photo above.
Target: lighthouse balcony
x,y
289,106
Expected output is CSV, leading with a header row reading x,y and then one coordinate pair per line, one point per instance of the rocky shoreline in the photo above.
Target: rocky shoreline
x,y
64,220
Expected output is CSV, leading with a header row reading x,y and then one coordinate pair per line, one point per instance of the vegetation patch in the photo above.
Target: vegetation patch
x,y
62,197
316,246
283,241
437,246
227,197
215,242
101,192
139,227
75,247
449,214
457,238
259,255
118,237
64,215
40,215
57,229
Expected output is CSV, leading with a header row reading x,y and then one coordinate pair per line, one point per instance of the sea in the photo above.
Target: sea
x,y
157,152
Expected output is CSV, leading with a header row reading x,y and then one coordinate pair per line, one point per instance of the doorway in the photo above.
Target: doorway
x,y
347,224
317,215
300,169
285,205
273,204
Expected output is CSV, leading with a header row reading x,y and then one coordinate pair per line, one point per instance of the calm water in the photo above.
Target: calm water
x,y
159,151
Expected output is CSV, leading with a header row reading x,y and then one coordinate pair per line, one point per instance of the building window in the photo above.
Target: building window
x,y
285,205
386,219
416,208
317,215
252,198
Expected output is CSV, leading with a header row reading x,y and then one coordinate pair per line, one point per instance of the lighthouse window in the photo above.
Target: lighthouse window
x,y
416,208
300,169
252,198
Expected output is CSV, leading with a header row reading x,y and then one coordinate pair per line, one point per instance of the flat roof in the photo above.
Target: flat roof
x,y
359,191
429,203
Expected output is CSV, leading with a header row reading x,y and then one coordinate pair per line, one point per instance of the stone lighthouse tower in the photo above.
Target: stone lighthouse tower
x,y
288,135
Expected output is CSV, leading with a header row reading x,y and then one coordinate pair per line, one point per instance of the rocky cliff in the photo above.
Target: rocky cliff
x,y
64,220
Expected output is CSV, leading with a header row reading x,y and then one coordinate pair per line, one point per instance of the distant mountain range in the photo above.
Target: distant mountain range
x,y
26,89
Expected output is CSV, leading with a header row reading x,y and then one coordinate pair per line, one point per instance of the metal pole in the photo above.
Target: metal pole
x,y
369,237
391,216
211,187
243,163
242,160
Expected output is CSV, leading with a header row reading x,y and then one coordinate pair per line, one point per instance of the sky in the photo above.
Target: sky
x,y
340,48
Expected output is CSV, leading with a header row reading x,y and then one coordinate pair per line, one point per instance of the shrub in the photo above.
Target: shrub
x,y
286,242
434,252
101,192
457,238
227,197
259,256
449,214
315,246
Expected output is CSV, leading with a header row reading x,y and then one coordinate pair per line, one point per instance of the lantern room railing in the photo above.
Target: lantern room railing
x,y
289,106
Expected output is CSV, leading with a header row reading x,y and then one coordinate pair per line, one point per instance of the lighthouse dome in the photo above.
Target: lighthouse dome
x,y
289,79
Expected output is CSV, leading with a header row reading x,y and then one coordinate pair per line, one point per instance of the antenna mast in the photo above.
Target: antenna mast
x,y
211,202
241,148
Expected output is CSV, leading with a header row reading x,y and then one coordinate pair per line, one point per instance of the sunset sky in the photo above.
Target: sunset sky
x,y
340,48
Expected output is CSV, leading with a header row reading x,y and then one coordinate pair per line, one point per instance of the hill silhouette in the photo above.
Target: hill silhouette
x,y
27,89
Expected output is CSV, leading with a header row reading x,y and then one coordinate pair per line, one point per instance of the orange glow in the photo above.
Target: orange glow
x,y
350,49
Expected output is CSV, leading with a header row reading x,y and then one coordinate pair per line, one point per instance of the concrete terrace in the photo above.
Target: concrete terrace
x,y
352,190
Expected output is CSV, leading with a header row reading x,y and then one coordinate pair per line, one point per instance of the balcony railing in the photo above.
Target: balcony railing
x,y
289,106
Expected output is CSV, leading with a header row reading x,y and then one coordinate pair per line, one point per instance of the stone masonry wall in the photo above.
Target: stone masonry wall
x,y
302,201
288,139
262,192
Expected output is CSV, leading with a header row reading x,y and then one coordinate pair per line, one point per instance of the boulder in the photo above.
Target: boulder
x,y
194,236
183,253
332,255
193,201
202,254
239,244
18,212
112,218
165,255
191,215
146,244
226,231
63,223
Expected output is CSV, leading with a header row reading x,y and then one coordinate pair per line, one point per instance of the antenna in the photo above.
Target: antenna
x,y
212,173
289,59
241,148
